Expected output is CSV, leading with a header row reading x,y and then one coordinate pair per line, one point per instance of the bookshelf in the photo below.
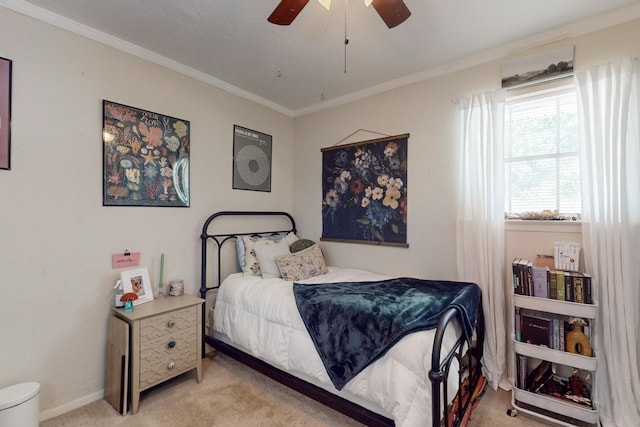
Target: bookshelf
x,y
554,377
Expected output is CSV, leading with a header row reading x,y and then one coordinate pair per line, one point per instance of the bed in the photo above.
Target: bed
x,y
430,376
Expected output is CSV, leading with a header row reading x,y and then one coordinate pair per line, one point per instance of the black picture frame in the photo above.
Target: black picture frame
x,y
145,158
6,66
251,159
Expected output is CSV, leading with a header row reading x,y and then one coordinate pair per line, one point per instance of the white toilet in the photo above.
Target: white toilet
x,y
20,405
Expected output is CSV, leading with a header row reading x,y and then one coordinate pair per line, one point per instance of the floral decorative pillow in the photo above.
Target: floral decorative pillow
x,y
302,265
251,265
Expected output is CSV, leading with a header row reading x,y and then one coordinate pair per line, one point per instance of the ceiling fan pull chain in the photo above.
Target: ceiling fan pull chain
x,y
346,37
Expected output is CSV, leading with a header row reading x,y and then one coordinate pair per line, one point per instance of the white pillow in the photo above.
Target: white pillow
x,y
266,252
251,265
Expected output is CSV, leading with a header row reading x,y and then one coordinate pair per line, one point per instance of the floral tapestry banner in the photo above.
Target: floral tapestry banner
x,y
364,192
146,158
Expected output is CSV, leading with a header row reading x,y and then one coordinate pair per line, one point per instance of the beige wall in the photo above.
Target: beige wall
x,y
425,110
56,238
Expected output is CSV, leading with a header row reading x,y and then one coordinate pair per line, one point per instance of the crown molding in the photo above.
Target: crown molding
x,y
67,24
572,30
576,29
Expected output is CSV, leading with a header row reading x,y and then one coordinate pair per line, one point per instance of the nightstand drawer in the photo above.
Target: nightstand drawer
x,y
167,356
160,325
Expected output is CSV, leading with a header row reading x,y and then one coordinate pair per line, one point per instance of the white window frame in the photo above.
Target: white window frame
x,y
531,93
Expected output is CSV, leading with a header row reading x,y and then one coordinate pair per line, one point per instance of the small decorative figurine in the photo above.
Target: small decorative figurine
x,y
128,300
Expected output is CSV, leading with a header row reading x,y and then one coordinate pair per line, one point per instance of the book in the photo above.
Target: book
x,y
521,380
553,284
568,286
539,278
539,376
560,287
588,292
515,268
536,330
522,276
518,335
529,270
578,288
556,333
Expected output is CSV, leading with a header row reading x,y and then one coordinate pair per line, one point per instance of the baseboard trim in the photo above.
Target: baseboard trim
x,y
75,404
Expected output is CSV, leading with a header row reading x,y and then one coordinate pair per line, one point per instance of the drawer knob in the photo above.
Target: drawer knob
x,y
171,323
171,365
171,344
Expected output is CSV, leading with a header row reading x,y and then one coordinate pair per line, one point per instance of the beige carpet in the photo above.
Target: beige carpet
x,y
231,394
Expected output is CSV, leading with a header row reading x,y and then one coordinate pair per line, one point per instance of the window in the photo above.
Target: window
x,y
542,165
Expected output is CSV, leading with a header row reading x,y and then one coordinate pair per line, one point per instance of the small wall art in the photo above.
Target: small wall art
x,y
5,113
138,282
538,68
365,193
146,158
251,159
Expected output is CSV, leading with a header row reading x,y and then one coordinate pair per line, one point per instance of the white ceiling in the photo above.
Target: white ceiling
x,y
300,68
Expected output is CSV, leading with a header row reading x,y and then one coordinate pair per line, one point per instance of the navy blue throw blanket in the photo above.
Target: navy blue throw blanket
x,y
354,323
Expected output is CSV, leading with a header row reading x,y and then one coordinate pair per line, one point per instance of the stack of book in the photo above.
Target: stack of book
x,y
543,380
543,282
539,329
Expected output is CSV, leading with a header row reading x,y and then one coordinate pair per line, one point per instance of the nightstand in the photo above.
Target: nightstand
x,y
165,339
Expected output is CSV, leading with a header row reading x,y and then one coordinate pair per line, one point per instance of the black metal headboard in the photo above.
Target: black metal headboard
x,y
220,238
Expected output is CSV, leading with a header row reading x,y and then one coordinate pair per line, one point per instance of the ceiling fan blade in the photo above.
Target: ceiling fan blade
x,y
392,12
286,11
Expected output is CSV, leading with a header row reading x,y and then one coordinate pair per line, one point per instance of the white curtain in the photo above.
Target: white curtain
x,y
610,161
480,222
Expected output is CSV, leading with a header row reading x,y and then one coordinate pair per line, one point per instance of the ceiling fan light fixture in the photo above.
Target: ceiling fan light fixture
x,y
327,3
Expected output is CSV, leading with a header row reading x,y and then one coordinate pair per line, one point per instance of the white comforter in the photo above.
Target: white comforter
x,y
260,317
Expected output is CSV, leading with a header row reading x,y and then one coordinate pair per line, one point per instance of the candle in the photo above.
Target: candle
x,y
161,270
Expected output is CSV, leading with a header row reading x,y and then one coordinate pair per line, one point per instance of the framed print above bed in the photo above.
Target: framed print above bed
x,y
5,113
365,192
146,158
251,160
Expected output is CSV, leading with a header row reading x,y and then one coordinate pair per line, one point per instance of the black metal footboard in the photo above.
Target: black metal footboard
x,y
463,351
468,355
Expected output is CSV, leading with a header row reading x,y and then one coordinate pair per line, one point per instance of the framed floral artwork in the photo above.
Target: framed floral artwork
x,y
146,158
5,113
138,282
364,192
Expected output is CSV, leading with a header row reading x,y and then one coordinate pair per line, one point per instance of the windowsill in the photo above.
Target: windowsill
x,y
543,226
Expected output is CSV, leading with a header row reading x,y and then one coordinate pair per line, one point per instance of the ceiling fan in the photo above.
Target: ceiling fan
x,y
392,12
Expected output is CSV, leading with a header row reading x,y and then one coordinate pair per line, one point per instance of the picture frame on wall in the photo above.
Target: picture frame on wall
x,y
543,67
365,192
138,282
251,159
145,158
5,113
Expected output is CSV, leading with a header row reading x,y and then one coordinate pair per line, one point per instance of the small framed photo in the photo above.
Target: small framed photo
x,y
138,282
